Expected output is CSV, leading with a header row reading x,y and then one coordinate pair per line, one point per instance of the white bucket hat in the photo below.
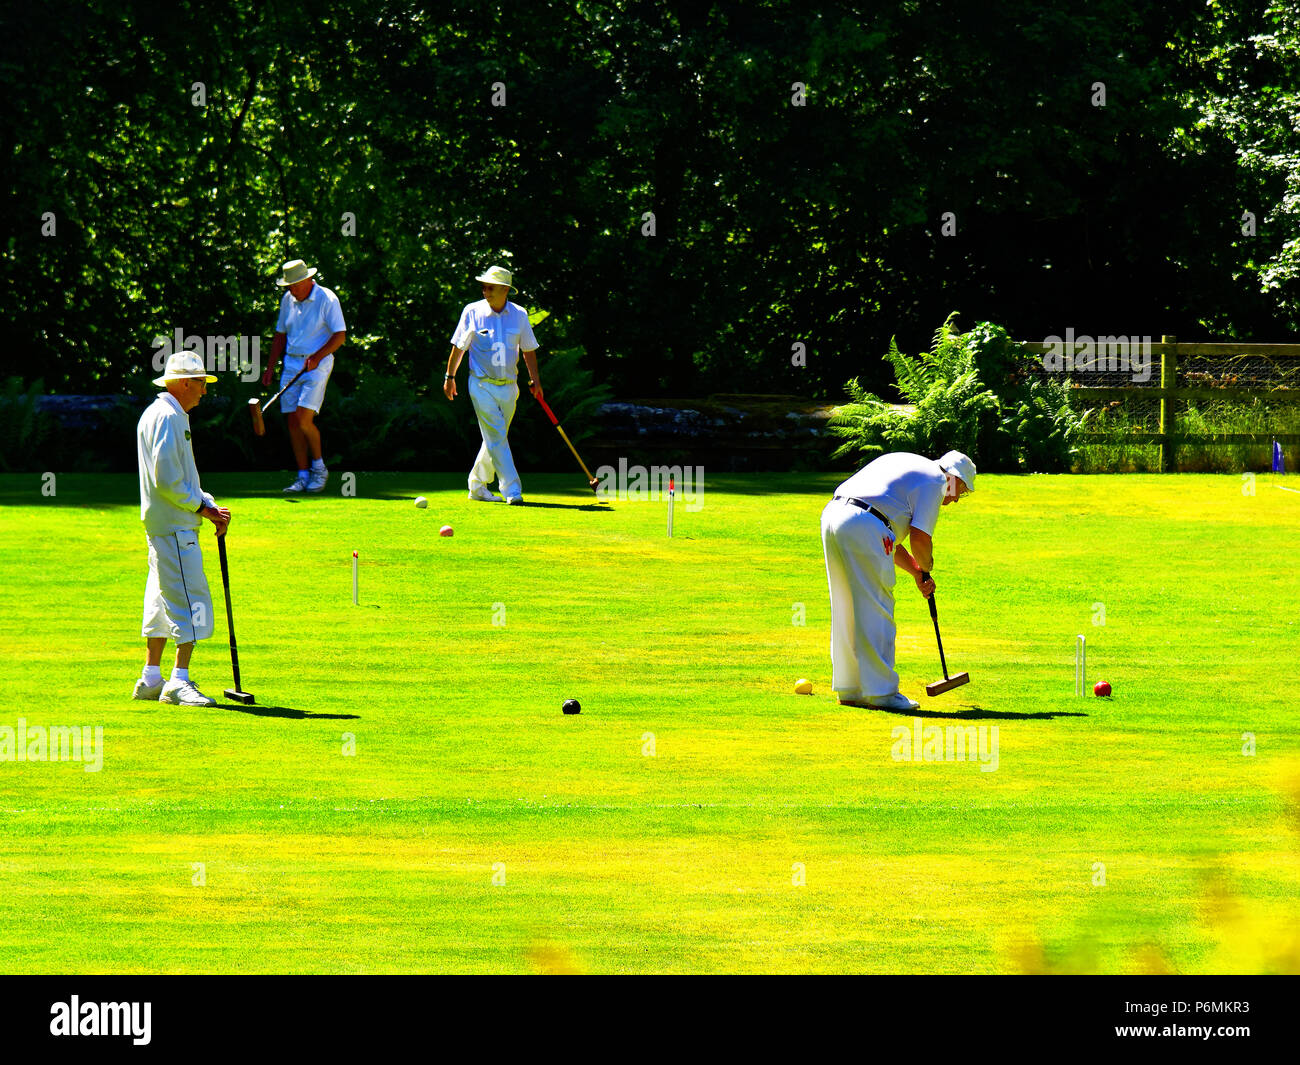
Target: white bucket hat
x,y
293,271
182,365
960,466
497,275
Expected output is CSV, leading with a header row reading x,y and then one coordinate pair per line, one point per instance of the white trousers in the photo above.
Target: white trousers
x,y
860,571
177,604
495,407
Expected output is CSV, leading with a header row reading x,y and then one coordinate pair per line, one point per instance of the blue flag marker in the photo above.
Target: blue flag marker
x,y
1278,465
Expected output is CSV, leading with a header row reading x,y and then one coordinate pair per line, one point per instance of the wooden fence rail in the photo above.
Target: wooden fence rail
x,y
1168,394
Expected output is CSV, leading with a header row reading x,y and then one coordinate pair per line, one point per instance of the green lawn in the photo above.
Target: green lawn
x,y
663,829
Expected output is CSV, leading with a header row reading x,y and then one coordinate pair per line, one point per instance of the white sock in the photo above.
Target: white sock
x,y
152,675
318,464
304,475
180,674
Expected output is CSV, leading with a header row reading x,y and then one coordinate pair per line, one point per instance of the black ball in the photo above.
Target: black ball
x,y
572,706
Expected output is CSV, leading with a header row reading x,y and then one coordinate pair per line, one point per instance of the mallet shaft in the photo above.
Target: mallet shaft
x,y
934,615
575,452
591,481
230,614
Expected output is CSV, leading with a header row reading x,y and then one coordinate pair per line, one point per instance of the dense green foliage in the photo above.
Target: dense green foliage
x,y
970,392
183,151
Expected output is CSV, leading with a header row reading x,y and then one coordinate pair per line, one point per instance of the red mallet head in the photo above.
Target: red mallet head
x,y
1102,688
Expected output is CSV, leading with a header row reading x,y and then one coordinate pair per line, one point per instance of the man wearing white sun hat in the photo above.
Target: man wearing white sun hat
x,y
309,330
863,528
177,604
495,332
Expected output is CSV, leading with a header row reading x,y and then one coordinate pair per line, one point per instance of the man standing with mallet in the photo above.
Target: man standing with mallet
x,y
308,332
495,332
177,604
863,527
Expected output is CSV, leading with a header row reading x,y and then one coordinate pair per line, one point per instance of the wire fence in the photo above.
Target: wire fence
x,y
1169,406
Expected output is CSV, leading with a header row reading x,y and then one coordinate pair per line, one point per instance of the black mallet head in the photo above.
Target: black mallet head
x,y
239,697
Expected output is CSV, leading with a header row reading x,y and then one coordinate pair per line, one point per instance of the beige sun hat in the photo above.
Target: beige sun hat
x,y
293,271
497,275
960,466
182,365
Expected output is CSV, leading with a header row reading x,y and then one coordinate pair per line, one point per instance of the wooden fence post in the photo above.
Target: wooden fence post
x,y
1168,377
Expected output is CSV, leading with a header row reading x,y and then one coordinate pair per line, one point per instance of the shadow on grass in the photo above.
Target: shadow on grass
x,y
286,711
598,507
978,713
406,497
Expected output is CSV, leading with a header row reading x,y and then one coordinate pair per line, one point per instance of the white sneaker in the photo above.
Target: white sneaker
x,y
184,693
318,479
484,496
298,486
515,501
146,691
897,701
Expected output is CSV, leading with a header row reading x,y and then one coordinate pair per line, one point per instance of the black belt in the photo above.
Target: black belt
x,y
869,509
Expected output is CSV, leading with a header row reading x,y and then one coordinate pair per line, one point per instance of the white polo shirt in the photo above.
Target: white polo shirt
x,y
494,340
308,323
170,495
907,489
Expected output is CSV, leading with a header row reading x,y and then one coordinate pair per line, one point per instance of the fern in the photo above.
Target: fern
x,y
914,377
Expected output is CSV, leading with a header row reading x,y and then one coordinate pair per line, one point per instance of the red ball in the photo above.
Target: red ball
x,y
1102,687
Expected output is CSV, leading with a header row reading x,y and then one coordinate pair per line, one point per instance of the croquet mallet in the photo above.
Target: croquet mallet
x,y
948,683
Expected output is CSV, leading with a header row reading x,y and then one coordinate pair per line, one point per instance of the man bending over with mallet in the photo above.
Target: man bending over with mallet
x,y
863,527
177,604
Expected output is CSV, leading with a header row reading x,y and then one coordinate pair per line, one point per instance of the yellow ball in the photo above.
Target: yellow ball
x,y
803,687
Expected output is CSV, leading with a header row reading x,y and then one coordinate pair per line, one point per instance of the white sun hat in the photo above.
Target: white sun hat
x,y
182,365
960,466
497,275
293,271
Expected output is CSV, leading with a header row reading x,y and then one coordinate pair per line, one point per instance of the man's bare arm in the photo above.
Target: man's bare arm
x,y
277,349
328,348
905,562
530,360
453,364
922,549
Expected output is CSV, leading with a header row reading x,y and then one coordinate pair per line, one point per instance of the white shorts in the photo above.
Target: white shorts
x,y
309,392
177,604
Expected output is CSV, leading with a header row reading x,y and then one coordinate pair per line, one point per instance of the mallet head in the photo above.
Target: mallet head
x,y
941,686
239,697
255,410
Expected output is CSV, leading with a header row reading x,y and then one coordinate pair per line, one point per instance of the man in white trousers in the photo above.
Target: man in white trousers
x,y
495,332
177,604
863,529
